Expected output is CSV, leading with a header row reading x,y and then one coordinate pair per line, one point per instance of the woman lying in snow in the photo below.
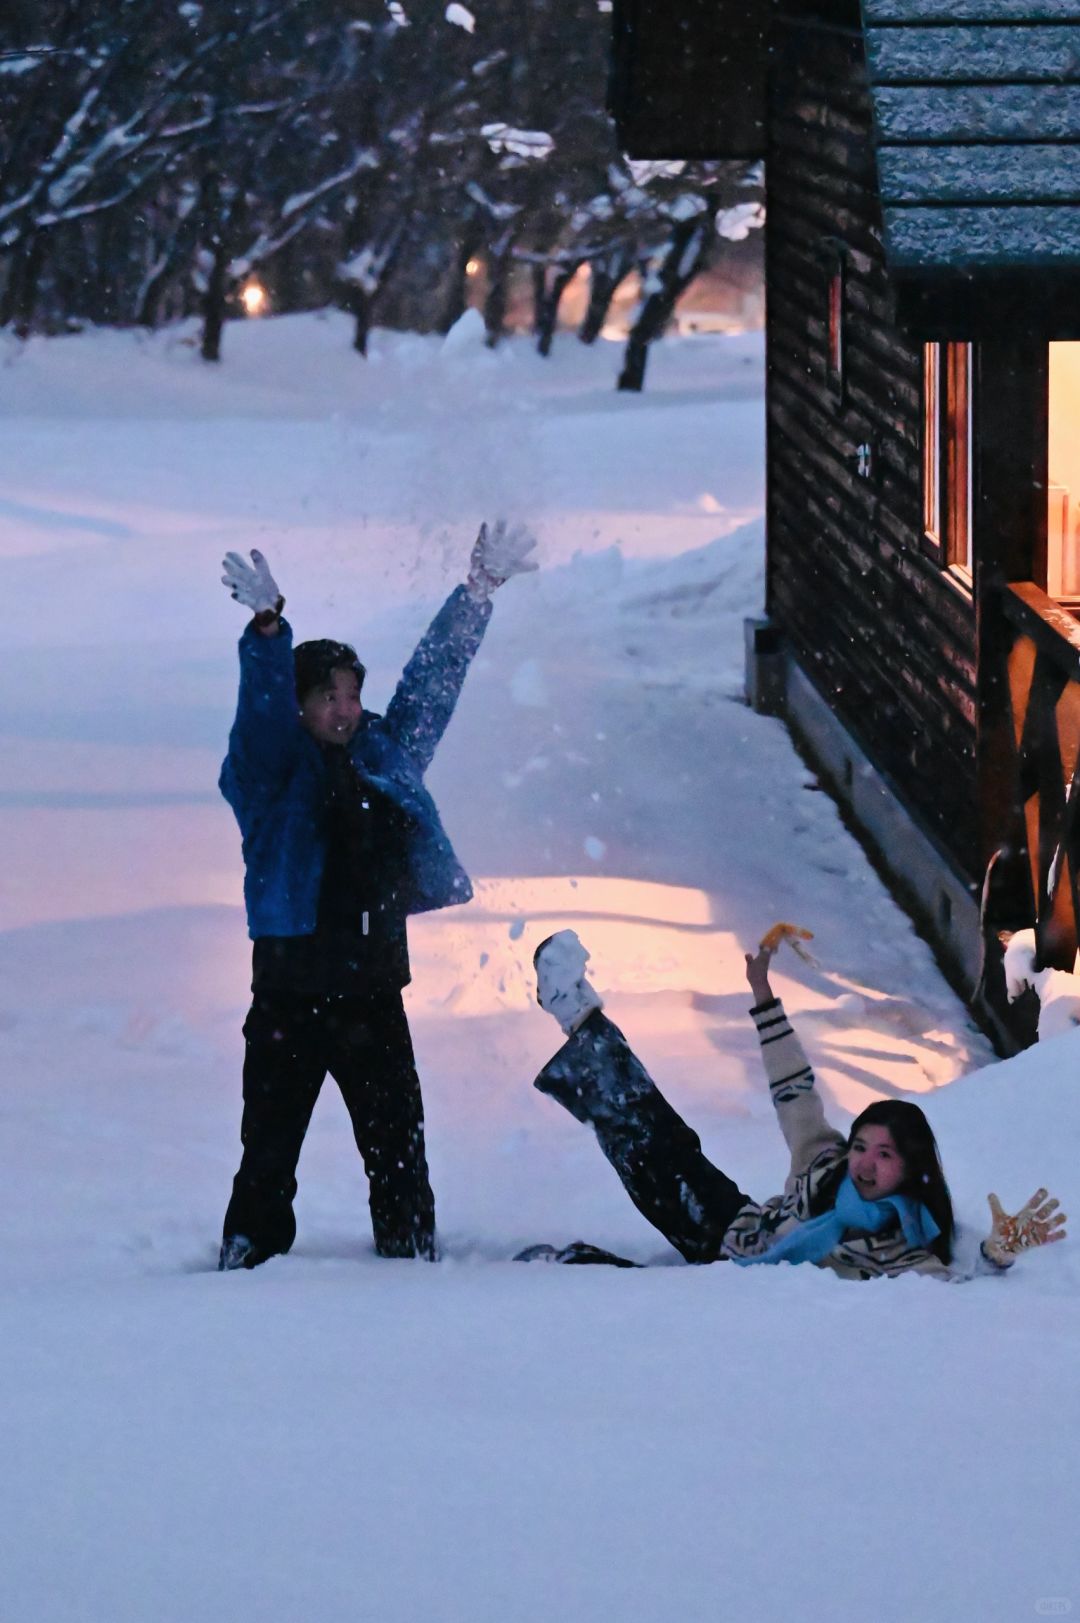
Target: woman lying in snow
x,y
871,1204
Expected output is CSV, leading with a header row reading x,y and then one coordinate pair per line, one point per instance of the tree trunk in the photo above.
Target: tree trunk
x,y
685,256
360,300
214,308
539,297
212,233
635,360
113,251
605,276
555,287
10,296
457,300
148,309
27,289
180,248
225,221
360,308
498,292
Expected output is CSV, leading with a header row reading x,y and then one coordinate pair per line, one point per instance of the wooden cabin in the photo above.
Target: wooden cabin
x,y
923,422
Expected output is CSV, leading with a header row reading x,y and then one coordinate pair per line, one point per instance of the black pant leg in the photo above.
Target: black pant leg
x,y
670,1180
371,1060
284,1067
600,1080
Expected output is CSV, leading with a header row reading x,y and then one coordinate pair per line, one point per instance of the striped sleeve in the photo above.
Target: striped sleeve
x,y
791,1086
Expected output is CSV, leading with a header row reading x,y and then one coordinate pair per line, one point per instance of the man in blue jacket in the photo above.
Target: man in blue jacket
x,y
341,842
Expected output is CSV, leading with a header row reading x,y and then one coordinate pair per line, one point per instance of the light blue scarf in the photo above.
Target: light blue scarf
x,y
814,1239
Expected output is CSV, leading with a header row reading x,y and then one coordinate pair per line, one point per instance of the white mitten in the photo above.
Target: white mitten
x,y
499,553
252,584
562,989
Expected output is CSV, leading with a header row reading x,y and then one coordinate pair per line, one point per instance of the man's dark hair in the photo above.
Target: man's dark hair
x,y
315,662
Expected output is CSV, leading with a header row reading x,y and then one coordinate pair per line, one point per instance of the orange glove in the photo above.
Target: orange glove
x,y
1040,1222
793,934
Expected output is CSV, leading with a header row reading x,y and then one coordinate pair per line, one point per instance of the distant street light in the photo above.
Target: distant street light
x,y
254,299
472,268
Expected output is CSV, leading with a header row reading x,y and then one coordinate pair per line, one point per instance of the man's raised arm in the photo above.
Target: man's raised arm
x,y
264,735
425,697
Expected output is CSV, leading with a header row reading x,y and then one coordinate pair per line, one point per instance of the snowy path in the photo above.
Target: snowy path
x,y
338,1436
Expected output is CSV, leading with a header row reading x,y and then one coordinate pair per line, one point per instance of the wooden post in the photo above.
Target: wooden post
x,y
1010,471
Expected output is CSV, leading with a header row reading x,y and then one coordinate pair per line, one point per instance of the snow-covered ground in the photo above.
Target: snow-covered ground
x,y
338,1437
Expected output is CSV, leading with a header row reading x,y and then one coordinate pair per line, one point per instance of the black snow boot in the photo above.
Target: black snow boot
x,y
579,1252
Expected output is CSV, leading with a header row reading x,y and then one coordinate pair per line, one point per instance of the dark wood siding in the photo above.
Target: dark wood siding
x,y
885,634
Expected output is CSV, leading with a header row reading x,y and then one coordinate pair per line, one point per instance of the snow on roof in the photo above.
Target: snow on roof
x,y
908,12
976,107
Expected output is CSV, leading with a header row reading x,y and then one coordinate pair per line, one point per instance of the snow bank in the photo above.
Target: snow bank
x,y
481,1441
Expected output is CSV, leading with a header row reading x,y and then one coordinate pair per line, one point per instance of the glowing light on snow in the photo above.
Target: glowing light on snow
x,y
255,299
644,937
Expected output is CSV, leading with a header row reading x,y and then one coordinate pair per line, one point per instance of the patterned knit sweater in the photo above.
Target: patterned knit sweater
x,y
817,1153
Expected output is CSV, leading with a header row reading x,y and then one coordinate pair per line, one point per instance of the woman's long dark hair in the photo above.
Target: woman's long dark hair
x,y
917,1146
925,1181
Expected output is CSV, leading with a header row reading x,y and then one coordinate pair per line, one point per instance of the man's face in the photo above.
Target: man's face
x,y
331,713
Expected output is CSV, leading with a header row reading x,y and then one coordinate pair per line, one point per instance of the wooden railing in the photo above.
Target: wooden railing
x,y
1042,823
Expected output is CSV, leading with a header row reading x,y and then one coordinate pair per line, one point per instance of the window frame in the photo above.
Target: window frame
x,y
835,256
948,457
931,450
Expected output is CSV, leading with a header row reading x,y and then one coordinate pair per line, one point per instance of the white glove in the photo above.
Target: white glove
x,y
252,584
498,554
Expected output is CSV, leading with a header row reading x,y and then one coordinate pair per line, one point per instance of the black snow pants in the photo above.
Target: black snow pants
x,y
600,1080
292,1041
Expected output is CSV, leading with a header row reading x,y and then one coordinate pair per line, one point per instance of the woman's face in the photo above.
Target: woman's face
x,y
876,1166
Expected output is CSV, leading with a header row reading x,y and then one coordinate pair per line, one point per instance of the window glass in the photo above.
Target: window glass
x,y
958,435
932,442
1063,468
836,326
946,455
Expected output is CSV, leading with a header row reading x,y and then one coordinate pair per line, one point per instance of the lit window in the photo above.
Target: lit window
x,y
1063,475
947,458
834,357
931,451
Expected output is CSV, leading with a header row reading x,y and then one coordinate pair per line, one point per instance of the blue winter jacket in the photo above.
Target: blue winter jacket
x,y
274,774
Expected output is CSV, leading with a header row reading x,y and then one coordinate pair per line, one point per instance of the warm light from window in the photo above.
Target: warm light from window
x,y
254,299
1063,484
931,443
